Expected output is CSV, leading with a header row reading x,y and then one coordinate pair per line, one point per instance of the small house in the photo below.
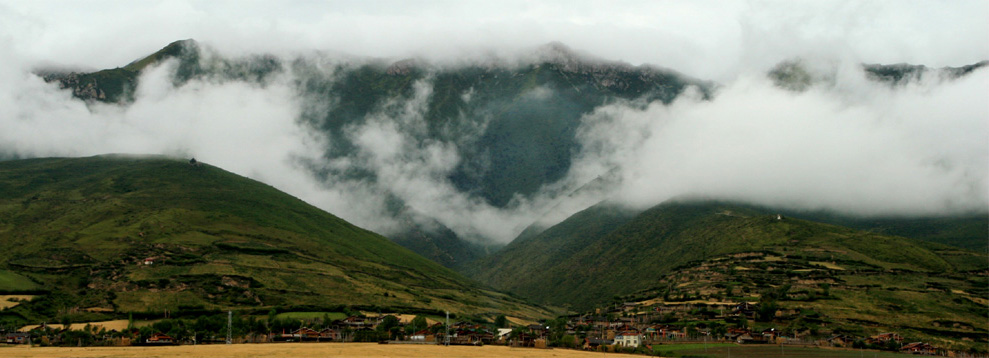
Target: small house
x,y
595,343
421,335
745,309
889,336
503,333
628,339
748,338
160,338
16,338
734,333
770,334
330,334
840,341
306,334
919,348
354,322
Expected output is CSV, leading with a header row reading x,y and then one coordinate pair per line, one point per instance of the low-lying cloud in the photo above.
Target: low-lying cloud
x,y
856,146
847,144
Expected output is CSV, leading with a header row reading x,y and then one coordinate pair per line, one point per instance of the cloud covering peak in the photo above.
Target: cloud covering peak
x,y
847,143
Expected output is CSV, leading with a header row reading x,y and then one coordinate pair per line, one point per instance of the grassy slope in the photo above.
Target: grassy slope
x,y
81,227
615,255
522,265
965,231
612,257
12,282
824,287
826,278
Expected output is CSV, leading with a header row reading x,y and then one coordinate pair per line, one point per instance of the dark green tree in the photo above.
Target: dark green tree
x,y
417,324
767,311
568,341
500,322
388,323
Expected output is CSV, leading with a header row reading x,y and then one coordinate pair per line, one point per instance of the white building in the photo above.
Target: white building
x,y
628,339
420,336
503,333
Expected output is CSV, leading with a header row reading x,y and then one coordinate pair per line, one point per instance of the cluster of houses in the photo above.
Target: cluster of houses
x,y
888,339
589,332
631,330
15,338
461,333
881,339
345,330
337,331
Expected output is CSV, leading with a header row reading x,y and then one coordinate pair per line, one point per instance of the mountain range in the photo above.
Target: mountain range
x,y
512,124
84,227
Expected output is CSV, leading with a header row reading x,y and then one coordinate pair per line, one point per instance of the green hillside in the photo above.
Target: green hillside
x,y
967,231
807,277
80,231
823,286
600,253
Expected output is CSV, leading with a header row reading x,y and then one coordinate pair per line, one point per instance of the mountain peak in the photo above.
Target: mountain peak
x,y
182,49
572,60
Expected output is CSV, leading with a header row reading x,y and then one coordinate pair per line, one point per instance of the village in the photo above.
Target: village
x,y
624,328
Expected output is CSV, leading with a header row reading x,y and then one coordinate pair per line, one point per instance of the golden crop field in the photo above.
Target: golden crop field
x,y
118,325
8,301
300,350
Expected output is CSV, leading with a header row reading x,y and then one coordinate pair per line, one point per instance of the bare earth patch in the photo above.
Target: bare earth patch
x,y
300,350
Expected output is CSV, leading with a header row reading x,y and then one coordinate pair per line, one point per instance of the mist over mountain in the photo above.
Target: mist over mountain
x,y
486,147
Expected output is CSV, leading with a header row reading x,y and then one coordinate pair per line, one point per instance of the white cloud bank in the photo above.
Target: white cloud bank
x,y
711,39
861,147
858,146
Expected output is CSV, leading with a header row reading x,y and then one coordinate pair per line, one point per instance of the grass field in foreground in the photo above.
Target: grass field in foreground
x,y
301,350
764,351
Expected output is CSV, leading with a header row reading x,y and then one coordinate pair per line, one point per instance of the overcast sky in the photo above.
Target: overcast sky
x,y
707,39
850,145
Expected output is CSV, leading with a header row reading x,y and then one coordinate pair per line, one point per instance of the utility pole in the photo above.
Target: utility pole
x,y
230,328
447,335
